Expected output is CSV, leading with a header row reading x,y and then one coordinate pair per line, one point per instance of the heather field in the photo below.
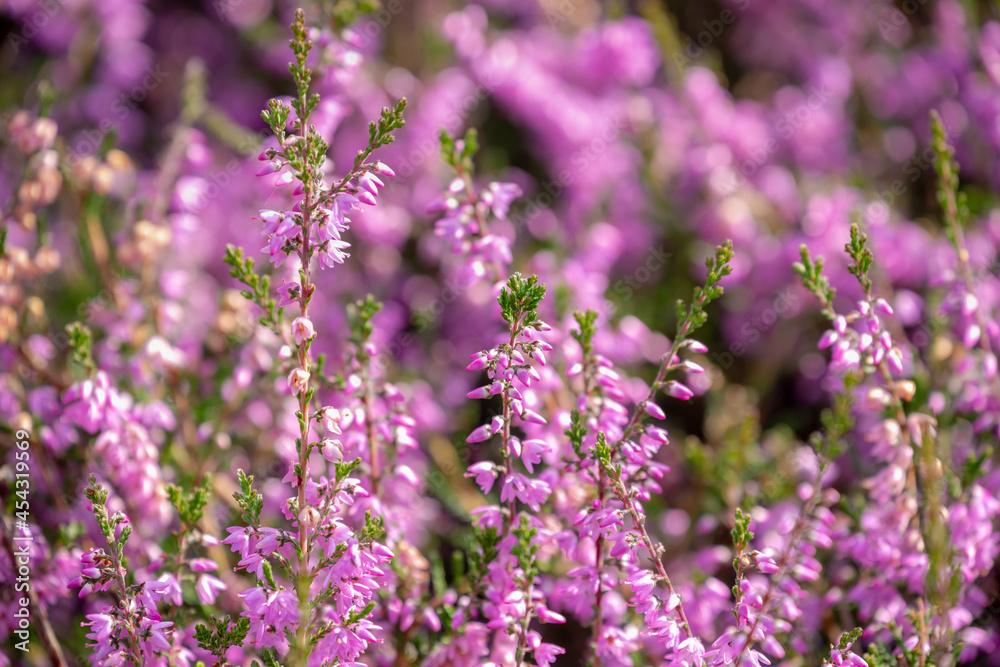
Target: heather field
x,y
500,333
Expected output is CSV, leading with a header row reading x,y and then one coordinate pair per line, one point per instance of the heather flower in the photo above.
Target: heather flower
x,y
485,474
331,419
298,380
289,294
208,587
466,212
603,501
133,629
531,492
302,330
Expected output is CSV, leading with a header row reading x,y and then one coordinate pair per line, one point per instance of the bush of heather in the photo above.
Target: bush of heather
x,y
499,333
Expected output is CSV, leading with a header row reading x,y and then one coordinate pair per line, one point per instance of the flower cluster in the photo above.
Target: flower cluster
x,y
287,464
466,211
331,572
132,629
512,536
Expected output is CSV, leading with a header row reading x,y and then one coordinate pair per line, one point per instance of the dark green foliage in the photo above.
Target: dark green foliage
x,y
519,300
260,286
588,327
81,342
459,153
694,315
248,499
226,634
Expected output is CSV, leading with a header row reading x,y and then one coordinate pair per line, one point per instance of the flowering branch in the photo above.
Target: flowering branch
x,y
313,229
956,213
467,209
690,318
132,630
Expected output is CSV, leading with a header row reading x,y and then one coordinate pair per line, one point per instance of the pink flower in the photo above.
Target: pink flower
x,y
208,587
203,565
270,168
330,418
431,619
765,564
533,417
531,492
302,329
499,197
545,654
298,380
884,306
678,390
485,473
531,453
642,583
480,434
690,651
827,339
174,592
697,347
654,410
370,183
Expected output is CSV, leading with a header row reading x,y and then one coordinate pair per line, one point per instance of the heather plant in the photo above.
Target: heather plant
x,y
614,352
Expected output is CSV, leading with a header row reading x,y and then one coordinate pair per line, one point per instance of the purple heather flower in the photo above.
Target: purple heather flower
x,y
499,196
531,492
678,390
208,587
485,474
654,410
480,434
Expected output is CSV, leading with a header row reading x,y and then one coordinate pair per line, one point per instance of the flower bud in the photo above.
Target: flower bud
x,y
765,564
654,410
269,168
884,306
877,398
678,390
383,170
480,434
906,389
697,347
309,516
